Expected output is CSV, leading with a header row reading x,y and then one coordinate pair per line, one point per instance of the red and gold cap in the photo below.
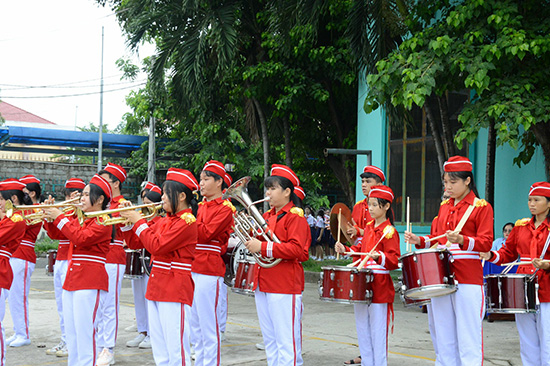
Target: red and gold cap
x,y
540,189
381,191
215,167
227,179
76,183
374,170
117,171
152,187
27,179
458,164
103,184
12,185
299,191
184,177
285,172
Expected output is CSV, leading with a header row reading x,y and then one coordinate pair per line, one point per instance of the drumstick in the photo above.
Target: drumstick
x,y
339,228
408,222
523,263
354,263
356,253
362,264
436,237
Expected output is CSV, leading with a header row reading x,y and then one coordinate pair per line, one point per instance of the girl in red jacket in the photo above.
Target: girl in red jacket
x,y
278,290
529,240
12,229
86,277
458,316
380,238
171,241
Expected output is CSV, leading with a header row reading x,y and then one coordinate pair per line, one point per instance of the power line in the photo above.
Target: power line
x,y
70,95
60,86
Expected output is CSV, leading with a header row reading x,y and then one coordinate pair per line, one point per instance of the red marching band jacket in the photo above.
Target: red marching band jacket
x,y
64,243
214,224
382,287
90,245
477,233
171,241
361,216
117,254
131,240
25,250
291,228
12,230
527,242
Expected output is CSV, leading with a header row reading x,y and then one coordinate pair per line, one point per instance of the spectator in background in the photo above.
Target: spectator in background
x,y
506,230
311,222
319,234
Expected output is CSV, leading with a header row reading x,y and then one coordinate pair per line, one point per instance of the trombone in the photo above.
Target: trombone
x,y
37,215
148,211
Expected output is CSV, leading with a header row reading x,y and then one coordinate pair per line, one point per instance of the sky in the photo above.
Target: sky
x,y
51,49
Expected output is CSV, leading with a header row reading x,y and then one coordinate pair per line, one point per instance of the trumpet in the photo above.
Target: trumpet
x,y
148,211
37,215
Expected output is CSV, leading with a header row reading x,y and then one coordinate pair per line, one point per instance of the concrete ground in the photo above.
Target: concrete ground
x,y
329,335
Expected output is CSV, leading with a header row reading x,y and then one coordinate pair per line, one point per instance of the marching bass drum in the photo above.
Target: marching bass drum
x,y
236,252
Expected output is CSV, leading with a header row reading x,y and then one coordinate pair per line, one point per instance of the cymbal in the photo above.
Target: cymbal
x,y
345,221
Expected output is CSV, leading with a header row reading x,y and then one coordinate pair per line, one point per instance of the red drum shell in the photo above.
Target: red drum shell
x,y
244,278
52,256
134,268
511,294
346,285
427,273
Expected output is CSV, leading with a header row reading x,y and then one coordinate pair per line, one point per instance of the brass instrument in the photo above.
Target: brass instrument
x,y
251,225
148,211
37,215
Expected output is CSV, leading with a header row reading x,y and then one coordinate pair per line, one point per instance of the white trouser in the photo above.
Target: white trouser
x,y
139,288
534,336
222,307
18,298
80,313
458,322
371,322
432,329
3,294
59,274
280,318
169,341
108,309
204,320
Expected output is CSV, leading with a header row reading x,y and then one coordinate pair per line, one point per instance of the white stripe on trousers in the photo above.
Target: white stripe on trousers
x,y
204,320
59,274
81,309
280,318
458,322
139,288
371,322
109,307
222,307
169,332
18,298
534,336
3,295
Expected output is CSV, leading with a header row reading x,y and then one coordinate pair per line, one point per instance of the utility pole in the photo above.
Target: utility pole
x,y
151,157
100,141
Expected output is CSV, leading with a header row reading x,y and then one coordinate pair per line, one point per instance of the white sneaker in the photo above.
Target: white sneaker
x,y
146,343
260,346
105,358
10,339
54,349
136,341
63,352
19,342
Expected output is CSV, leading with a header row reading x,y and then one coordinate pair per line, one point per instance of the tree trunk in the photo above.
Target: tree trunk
x,y
446,125
490,169
265,137
542,134
288,147
437,137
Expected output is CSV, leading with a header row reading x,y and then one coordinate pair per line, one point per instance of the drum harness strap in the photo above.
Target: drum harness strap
x,y
461,223
542,255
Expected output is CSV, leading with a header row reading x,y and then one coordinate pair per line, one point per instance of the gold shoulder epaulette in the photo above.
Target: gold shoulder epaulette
x,y
358,202
229,204
201,203
444,202
122,200
188,217
390,232
16,218
522,222
370,222
297,211
481,203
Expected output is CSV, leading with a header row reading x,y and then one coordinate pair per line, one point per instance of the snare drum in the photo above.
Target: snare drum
x,y
511,293
133,264
347,285
236,251
244,277
52,255
427,273
410,303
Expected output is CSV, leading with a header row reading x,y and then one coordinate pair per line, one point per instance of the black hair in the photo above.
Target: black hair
x,y
172,189
153,196
464,176
284,183
144,192
111,176
509,223
367,175
95,192
67,191
389,213
35,187
216,177
321,213
22,197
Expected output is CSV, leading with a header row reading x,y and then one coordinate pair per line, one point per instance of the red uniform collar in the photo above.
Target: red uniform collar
x,y
187,210
285,208
216,201
118,198
382,226
469,199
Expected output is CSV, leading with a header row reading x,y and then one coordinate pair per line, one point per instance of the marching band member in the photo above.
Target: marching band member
x,y
458,316
529,240
61,264
151,193
171,241
380,238
214,221
22,264
115,266
278,290
12,230
86,277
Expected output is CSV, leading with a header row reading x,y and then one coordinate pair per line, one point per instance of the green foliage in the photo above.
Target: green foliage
x,y
45,244
312,265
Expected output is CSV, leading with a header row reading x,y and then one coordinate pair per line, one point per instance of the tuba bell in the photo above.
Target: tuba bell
x,y
251,225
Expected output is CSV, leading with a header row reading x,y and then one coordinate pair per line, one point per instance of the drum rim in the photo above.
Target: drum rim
x,y
247,260
512,310
342,301
241,291
346,269
430,250
421,289
508,275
